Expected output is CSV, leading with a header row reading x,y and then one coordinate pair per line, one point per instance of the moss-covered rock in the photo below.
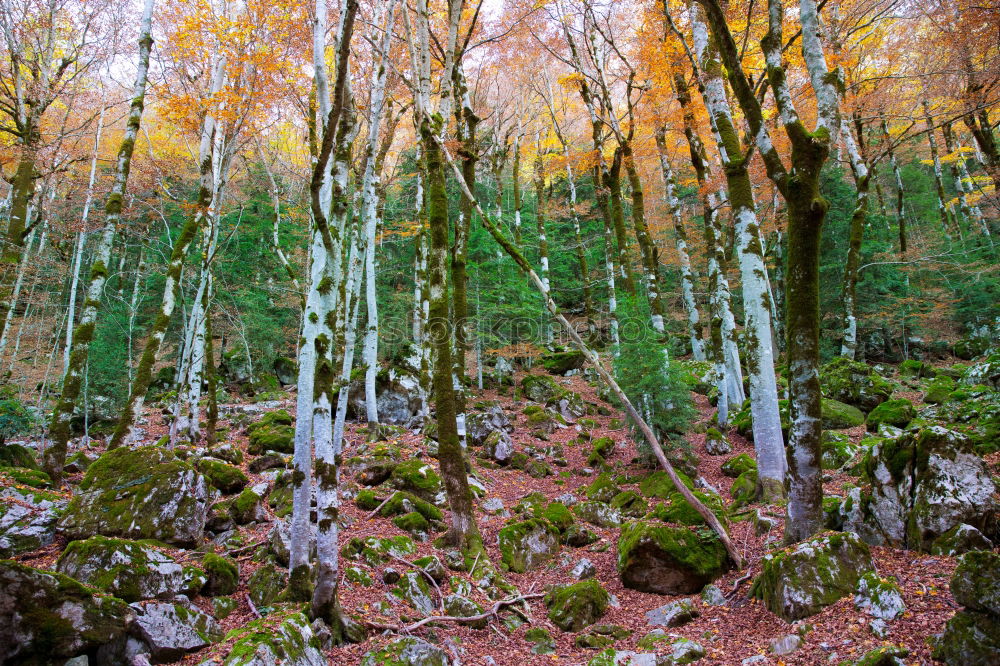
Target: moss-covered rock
x,y
887,655
674,614
923,483
171,630
716,443
737,465
879,597
939,389
413,523
267,583
629,503
970,639
557,514
225,477
559,363
420,479
678,510
413,588
129,570
911,367
28,519
837,450
960,539
248,506
598,513
975,582
271,437
47,616
653,557
223,575
376,550
283,637
541,388
659,485
803,579
402,502
28,477
16,455
573,607
455,605
528,544
839,415
744,488
144,493
855,383
407,651
602,489
896,413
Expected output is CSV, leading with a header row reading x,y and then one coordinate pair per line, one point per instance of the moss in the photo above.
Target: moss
x,y
244,506
404,502
602,489
417,477
412,522
541,388
573,607
367,500
887,655
939,389
603,447
225,477
15,455
914,368
223,575
681,512
28,477
969,638
527,544
744,488
896,413
855,383
558,514
697,556
272,437
358,576
838,415
540,636
658,484
737,465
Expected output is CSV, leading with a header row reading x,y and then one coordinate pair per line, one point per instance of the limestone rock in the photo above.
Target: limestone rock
x,y
280,638
573,607
960,539
806,578
143,493
171,630
129,570
46,616
28,519
976,582
855,383
674,614
653,557
528,544
879,597
408,651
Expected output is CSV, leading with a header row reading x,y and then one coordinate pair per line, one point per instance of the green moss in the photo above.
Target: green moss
x,y
602,489
699,552
737,465
573,607
896,413
225,477
527,544
681,512
271,437
939,389
417,477
412,522
838,415
557,514
244,506
367,500
223,575
15,455
744,488
658,484
404,502
28,477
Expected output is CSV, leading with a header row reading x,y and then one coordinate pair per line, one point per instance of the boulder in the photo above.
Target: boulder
x,y
960,539
280,638
499,447
480,425
837,449
541,388
737,465
598,513
143,493
716,444
896,413
408,651
286,370
855,383
222,575
267,583
975,582
398,396
922,484
130,570
420,479
171,630
28,519
653,557
969,639
561,362
879,597
986,373
803,579
413,588
674,614
277,437
839,415
456,605
573,607
47,616
227,478
528,544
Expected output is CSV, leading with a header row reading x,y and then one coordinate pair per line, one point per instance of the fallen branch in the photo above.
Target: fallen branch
x,y
710,518
243,549
379,507
736,585
449,618
253,609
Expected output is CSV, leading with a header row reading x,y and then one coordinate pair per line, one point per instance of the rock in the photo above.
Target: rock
x,y
280,638
879,597
598,513
960,539
286,370
499,447
897,413
559,363
716,444
970,639
414,589
540,636
528,544
266,437
143,493
985,372
279,541
375,551
837,450
887,655
613,657
458,606
806,578
225,477
28,519
129,570
583,569
923,484
713,596
838,415
480,425
248,506
604,489
397,393
223,575
737,465
668,560
268,461
744,488
674,614
172,630
413,523
408,651
578,536
493,506
855,383
573,607
629,503
45,616
266,584
938,389
785,644
976,582
419,478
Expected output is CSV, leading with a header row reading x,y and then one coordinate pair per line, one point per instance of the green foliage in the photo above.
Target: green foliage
x,y
15,419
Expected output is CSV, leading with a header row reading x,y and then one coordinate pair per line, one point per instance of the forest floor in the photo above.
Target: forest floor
x,y
731,633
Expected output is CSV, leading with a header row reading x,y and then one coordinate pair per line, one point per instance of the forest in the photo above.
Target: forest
x,y
499,332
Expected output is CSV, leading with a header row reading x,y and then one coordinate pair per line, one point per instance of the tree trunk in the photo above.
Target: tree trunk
x,y
54,457
647,249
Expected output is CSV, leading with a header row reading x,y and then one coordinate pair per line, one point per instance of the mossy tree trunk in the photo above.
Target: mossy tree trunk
x,y
541,206
54,457
862,183
948,221
612,178
647,248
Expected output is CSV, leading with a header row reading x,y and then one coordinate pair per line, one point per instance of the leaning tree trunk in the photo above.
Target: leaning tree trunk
x,y
59,428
